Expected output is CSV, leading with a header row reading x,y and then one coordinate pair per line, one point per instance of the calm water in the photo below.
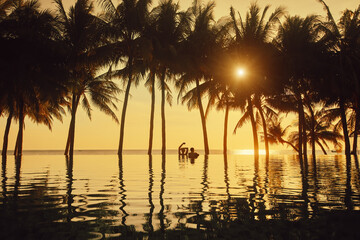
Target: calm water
x,y
102,196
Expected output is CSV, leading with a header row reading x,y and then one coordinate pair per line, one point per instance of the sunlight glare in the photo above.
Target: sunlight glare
x,y
240,72
248,152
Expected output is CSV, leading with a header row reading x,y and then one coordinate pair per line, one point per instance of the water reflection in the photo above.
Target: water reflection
x,y
4,180
200,195
148,227
122,192
161,214
69,188
348,189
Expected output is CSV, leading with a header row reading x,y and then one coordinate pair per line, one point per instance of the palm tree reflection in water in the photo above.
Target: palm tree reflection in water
x,y
4,180
122,191
161,195
69,195
17,181
149,226
280,189
348,190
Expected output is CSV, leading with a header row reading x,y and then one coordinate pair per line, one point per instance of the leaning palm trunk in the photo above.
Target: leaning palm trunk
x,y
203,121
19,139
6,133
163,129
322,147
66,152
152,75
291,145
71,137
225,128
123,114
254,128
344,126
265,133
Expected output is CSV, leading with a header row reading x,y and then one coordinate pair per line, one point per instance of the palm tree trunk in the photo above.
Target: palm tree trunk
x,y
322,147
265,132
312,131
300,151
163,127
292,145
344,126
357,123
123,114
66,152
226,127
74,106
16,146
152,112
254,128
19,140
303,128
6,133
202,115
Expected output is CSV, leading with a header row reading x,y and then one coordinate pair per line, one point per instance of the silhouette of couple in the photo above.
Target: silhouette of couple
x,y
184,151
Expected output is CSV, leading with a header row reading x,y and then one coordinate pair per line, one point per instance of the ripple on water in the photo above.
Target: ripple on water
x,y
103,196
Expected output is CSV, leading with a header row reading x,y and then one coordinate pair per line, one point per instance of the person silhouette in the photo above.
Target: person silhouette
x,y
183,151
193,154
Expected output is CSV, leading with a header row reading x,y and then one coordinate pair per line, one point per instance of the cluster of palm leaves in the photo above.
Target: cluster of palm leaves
x,y
306,66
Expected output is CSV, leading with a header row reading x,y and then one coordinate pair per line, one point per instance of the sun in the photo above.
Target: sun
x,y
240,72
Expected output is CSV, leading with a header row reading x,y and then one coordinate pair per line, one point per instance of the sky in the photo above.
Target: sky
x,y
181,125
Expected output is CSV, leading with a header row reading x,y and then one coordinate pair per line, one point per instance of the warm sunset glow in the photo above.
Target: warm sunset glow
x,y
240,72
248,152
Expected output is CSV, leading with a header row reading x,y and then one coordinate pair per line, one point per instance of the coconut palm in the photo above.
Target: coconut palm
x,y
30,57
345,39
251,38
324,130
221,97
126,25
158,56
169,28
201,43
80,30
266,113
302,48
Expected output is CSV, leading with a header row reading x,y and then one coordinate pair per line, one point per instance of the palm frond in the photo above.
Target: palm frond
x,y
245,118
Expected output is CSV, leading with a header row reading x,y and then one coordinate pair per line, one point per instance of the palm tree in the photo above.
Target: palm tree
x,y
30,55
201,43
323,131
251,38
169,28
220,96
302,48
126,25
345,38
154,55
80,30
266,113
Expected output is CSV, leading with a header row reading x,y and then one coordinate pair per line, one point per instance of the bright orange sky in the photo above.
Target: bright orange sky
x,y
181,125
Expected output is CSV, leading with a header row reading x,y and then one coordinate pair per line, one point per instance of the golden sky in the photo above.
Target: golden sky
x,y
181,125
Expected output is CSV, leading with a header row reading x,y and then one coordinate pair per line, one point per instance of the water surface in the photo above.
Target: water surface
x,y
101,196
